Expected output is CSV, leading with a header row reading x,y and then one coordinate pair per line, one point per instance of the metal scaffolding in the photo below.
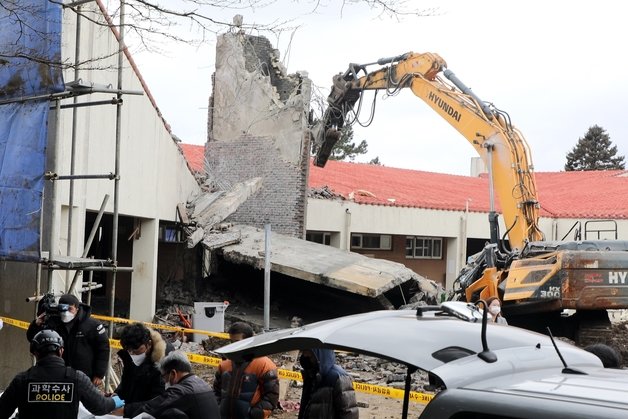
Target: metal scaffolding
x,y
54,262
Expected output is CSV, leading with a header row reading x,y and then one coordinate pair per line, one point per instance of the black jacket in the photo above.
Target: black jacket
x,y
328,390
52,369
143,382
85,340
191,395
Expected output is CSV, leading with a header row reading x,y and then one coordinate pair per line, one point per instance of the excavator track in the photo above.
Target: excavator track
x,y
593,327
583,328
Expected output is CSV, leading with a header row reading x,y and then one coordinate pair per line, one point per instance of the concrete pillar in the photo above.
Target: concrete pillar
x,y
144,276
345,235
452,261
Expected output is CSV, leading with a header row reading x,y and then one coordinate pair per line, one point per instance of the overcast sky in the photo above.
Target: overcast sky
x,y
557,67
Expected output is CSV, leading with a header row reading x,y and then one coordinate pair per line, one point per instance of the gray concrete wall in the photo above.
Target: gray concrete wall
x,y
258,127
17,281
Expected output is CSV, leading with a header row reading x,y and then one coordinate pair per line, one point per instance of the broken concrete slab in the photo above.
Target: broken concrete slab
x,y
204,201
215,240
212,208
226,204
324,265
195,237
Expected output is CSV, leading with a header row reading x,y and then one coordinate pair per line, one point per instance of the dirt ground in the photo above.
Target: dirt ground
x,y
371,406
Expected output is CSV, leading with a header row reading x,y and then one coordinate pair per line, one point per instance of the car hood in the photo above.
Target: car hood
x,y
429,343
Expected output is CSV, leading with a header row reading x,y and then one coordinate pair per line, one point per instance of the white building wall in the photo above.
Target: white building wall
x,y
154,176
153,172
331,215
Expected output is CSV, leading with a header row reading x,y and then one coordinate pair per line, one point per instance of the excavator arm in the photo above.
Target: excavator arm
x,y
487,129
536,279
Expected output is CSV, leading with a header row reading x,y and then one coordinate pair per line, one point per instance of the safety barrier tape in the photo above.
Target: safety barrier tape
x,y
163,326
17,323
391,392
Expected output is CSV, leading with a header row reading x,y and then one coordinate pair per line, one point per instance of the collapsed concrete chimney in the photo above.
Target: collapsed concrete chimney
x,y
258,126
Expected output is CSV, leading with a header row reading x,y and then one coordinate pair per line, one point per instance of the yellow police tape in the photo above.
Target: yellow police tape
x,y
394,393
16,323
163,326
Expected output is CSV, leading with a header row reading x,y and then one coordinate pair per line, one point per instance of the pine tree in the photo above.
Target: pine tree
x,y
345,148
594,152
376,161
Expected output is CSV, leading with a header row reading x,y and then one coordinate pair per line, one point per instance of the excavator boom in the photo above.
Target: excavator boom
x,y
488,130
534,278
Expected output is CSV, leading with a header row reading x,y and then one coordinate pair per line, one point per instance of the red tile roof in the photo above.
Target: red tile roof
x,y
195,156
594,194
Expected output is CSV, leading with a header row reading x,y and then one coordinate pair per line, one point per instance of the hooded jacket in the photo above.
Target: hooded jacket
x,y
85,340
143,382
327,390
247,389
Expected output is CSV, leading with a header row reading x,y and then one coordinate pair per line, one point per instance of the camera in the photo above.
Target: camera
x,y
48,304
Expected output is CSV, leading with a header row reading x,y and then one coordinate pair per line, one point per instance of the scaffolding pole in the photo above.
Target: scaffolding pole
x,y
54,223
116,187
77,52
90,239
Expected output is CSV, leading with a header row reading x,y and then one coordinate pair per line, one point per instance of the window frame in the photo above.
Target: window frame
x,y
326,236
381,238
428,247
170,233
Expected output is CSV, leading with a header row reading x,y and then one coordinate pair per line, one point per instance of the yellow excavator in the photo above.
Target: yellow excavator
x,y
536,279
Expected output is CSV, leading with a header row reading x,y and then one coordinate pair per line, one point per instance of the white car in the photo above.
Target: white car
x,y
478,370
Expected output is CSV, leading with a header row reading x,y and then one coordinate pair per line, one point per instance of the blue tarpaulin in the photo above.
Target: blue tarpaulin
x,y
30,54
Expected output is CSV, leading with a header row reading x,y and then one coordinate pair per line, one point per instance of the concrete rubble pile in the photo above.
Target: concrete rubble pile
x,y
324,192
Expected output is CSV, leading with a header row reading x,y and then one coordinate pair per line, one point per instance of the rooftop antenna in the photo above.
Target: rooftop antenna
x,y
566,369
486,355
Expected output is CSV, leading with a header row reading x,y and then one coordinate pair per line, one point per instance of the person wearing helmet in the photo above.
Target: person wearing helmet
x,y
50,389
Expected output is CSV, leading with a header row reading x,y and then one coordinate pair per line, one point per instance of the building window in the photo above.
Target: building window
x,y
170,234
321,237
424,248
371,241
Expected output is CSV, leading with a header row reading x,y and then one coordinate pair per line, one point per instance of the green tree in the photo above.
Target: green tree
x,y
376,161
346,148
594,152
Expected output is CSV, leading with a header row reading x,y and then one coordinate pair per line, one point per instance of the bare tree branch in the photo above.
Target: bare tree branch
x,y
149,22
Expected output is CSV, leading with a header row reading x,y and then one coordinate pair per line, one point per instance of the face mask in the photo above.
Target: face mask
x,y
67,316
495,310
138,359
